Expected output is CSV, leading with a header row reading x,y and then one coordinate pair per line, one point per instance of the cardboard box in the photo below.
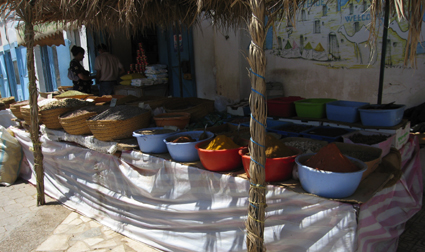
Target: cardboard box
x,y
401,134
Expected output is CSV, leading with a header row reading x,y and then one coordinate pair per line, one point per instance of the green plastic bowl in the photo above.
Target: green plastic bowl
x,y
312,108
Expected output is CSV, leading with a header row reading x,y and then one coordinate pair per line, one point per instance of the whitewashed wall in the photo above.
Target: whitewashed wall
x,y
350,76
221,67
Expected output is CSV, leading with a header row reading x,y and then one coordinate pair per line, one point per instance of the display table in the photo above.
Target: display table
x,y
178,207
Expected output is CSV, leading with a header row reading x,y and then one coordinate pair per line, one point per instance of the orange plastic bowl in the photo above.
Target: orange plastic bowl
x,y
219,160
277,169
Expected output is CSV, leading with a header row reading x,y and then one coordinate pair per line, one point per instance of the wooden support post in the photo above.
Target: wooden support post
x,y
35,128
257,101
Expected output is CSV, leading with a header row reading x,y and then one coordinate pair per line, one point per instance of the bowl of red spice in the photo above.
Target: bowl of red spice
x,y
280,159
328,173
220,154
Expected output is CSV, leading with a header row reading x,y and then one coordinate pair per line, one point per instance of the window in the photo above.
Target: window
x,y
356,26
351,9
325,10
16,70
303,15
317,26
364,5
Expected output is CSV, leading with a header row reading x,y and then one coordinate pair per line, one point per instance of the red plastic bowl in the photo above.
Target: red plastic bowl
x,y
219,160
277,169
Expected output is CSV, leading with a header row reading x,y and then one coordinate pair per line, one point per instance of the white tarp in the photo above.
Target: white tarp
x,y
181,208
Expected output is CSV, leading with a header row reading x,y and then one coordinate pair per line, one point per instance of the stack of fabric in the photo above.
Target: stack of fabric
x,y
158,73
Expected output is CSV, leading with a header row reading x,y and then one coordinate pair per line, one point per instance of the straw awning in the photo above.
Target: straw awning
x,y
44,34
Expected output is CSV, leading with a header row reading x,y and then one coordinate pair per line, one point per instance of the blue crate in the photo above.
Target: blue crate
x,y
344,111
373,116
310,133
277,129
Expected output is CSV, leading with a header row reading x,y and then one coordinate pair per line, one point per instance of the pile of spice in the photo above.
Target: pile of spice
x,y
70,93
85,110
155,131
64,103
40,103
184,139
222,142
121,112
330,158
276,148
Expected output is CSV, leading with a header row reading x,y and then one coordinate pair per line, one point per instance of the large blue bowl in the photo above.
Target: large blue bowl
x,y
328,184
185,152
152,143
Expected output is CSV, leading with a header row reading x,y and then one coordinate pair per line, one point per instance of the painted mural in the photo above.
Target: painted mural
x,y
336,33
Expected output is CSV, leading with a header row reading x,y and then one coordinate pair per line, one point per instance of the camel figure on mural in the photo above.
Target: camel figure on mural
x,y
396,28
357,38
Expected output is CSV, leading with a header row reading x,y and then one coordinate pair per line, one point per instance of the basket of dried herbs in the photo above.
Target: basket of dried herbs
x,y
74,122
50,112
118,122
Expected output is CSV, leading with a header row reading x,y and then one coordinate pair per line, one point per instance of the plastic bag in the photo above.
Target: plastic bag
x,y
221,102
10,158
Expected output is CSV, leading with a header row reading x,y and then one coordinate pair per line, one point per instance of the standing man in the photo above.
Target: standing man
x,y
108,68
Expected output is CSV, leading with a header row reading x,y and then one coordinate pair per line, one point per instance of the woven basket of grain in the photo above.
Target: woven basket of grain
x,y
26,115
197,107
118,122
15,108
74,122
50,117
50,112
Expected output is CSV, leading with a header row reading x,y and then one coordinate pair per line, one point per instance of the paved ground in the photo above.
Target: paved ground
x,y
25,227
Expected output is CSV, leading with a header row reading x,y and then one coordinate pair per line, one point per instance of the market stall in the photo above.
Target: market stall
x,y
183,207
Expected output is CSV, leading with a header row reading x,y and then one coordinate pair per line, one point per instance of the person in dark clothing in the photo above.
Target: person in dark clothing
x,y
85,80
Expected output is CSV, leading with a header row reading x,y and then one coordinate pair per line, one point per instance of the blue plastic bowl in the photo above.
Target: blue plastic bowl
x,y
373,116
185,152
152,143
344,111
327,184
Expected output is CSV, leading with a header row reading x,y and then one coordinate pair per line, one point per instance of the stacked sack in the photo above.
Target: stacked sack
x,y
127,79
158,73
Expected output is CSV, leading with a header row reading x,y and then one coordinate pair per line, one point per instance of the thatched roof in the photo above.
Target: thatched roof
x,y
135,15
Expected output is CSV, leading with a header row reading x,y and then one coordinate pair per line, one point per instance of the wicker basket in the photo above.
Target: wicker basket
x,y
8,101
77,125
16,109
197,107
50,117
26,115
110,130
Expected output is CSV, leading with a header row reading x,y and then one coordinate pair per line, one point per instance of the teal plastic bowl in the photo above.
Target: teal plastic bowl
x,y
334,185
